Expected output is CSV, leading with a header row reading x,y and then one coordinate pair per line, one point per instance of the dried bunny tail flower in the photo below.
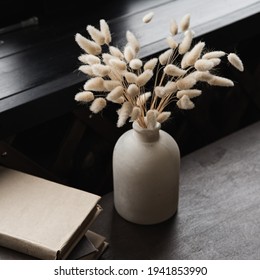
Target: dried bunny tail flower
x,y
156,112
184,63
194,54
186,82
136,113
163,116
129,53
159,91
82,58
86,69
115,94
96,35
170,87
109,85
189,92
190,30
124,113
216,61
185,103
171,42
94,84
213,54
186,42
185,22
148,17
133,90
150,64
235,61
87,45
136,63
120,100
151,119
89,59
117,64
143,78
130,77
164,58
98,105
220,81
202,76
204,64
141,100
105,30
173,27
174,71
116,52
132,40
101,70
84,96
116,76
106,57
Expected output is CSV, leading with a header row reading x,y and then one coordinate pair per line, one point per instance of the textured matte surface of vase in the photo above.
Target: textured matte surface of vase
x,y
146,166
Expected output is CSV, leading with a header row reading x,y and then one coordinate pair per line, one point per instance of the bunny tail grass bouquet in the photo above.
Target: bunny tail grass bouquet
x,y
146,159
119,76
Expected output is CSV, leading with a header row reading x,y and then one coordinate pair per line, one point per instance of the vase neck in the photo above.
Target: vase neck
x,y
145,134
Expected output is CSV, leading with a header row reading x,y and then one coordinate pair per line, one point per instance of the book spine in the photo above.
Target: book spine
x,y
27,247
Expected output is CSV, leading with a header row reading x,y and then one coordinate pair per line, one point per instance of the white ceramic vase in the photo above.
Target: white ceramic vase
x,y
146,167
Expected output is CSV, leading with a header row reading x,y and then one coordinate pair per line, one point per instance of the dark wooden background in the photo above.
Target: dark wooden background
x,y
44,132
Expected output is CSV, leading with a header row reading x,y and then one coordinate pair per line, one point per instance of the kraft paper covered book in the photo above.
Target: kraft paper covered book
x,y
83,251
41,218
90,247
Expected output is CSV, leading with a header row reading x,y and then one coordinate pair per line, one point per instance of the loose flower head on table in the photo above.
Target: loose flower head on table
x,y
119,76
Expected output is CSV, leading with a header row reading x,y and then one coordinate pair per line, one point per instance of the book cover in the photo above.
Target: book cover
x,y
100,243
42,218
90,246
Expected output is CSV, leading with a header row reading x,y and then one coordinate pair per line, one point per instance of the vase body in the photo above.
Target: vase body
x,y
146,167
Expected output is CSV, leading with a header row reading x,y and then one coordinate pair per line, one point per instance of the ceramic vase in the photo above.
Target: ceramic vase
x,y
146,167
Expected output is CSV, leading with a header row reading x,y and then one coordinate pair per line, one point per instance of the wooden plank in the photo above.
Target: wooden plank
x,y
52,59
54,25
206,16
45,77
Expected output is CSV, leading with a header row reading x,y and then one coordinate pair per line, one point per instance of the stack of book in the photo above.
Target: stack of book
x,y
41,219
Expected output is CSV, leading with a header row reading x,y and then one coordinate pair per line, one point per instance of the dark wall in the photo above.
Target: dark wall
x,y
16,11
